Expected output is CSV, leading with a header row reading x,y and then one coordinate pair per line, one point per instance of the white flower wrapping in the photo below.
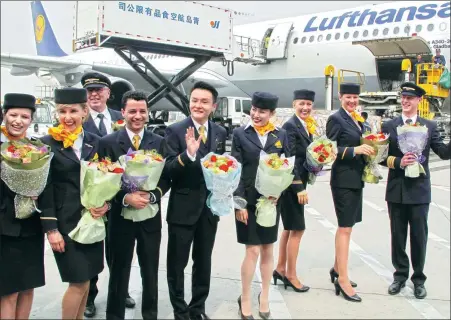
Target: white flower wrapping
x,y
271,182
413,139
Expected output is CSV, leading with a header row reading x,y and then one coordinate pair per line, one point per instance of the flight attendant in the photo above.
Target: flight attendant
x,y
21,240
345,127
300,129
77,263
248,141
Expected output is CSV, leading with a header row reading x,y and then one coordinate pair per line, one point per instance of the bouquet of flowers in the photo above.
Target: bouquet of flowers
x,y
274,175
25,169
413,138
100,180
320,152
143,169
119,124
380,142
222,175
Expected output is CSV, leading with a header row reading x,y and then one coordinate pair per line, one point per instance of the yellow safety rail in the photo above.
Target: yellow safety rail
x,y
428,75
359,75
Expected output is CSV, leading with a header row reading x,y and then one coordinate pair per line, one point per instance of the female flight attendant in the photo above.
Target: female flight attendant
x,y
21,240
248,142
345,127
300,130
77,263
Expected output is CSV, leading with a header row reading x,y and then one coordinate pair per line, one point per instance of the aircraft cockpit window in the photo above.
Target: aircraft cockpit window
x,y
396,30
295,40
430,27
443,26
303,39
320,38
311,39
365,33
356,34
346,35
418,28
375,32
385,32
407,30
337,36
328,37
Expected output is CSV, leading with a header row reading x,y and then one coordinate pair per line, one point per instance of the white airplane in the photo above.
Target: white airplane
x,y
370,39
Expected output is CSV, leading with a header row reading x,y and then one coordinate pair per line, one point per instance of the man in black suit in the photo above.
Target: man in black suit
x,y
189,219
408,198
123,232
100,120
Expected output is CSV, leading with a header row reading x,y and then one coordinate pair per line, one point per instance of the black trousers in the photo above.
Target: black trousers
x,y
180,237
122,243
401,216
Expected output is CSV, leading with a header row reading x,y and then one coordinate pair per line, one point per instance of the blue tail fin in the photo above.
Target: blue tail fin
x,y
46,43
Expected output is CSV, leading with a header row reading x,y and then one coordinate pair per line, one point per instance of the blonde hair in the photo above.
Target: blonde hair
x,y
83,105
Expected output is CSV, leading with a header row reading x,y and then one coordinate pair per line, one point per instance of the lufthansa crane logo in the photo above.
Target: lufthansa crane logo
x,y
214,24
39,28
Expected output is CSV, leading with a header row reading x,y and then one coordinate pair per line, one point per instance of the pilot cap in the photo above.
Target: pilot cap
x,y
304,95
71,95
95,80
19,100
349,88
265,100
411,89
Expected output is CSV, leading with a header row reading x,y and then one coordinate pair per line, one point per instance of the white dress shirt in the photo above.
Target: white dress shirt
x,y
404,119
78,145
303,124
197,126
263,138
355,121
106,119
132,134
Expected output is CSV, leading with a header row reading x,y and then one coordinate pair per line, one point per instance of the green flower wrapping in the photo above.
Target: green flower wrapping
x,y
380,143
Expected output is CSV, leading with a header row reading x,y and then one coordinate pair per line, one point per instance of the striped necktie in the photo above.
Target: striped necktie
x,y
136,142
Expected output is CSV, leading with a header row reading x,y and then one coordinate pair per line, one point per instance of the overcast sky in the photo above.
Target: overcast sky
x,y
17,28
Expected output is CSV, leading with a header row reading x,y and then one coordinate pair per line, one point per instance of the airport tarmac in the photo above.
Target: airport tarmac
x,y
369,265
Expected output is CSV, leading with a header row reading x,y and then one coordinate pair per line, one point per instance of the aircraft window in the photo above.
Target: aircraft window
x,y
430,27
418,28
328,37
385,32
443,26
356,34
346,35
303,39
237,105
311,39
375,32
295,40
320,38
407,30
396,30
365,33
337,36
247,104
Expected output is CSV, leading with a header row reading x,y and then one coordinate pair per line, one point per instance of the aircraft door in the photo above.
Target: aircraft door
x,y
278,41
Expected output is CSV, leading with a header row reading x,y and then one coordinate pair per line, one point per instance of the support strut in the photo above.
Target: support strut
x,y
144,67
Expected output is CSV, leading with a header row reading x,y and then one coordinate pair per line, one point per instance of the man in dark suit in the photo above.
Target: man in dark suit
x,y
124,232
408,198
189,219
100,120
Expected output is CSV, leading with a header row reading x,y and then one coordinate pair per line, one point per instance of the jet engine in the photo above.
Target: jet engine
x,y
119,86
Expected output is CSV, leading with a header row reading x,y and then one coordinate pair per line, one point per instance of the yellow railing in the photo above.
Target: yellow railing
x,y
359,75
428,76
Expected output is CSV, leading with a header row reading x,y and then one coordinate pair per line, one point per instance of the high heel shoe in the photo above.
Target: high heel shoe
x,y
338,289
334,274
276,276
287,283
243,317
263,315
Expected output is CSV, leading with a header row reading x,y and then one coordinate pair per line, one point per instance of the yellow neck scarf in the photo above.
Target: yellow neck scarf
x,y
311,125
10,137
357,117
265,129
61,134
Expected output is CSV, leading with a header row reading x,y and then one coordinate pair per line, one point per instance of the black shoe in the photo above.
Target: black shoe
x,y
334,274
129,302
263,315
201,316
276,276
396,287
249,317
90,310
338,289
420,291
287,283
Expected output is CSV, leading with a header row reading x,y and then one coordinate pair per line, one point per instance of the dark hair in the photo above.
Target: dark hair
x,y
205,86
364,115
134,95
